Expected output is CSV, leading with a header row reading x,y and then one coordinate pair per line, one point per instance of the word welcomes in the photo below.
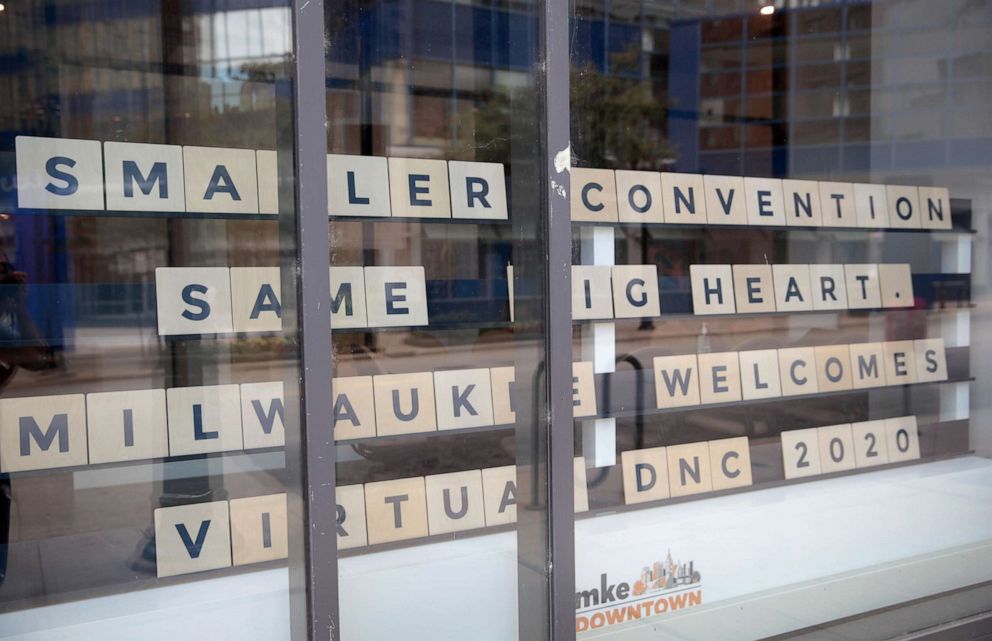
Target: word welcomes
x,y
87,175
663,587
218,300
607,196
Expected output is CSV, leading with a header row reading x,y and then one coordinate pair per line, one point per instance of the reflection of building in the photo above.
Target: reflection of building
x,y
668,574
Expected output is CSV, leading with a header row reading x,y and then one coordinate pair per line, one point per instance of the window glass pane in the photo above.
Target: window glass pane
x,y
148,369
779,283
438,315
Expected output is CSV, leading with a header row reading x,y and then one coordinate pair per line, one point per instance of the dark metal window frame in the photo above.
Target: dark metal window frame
x,y
313,569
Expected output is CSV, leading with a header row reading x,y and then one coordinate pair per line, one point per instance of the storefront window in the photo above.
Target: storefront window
x,y
774,215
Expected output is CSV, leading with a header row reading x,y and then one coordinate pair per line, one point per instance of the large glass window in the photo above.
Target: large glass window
x,y
779,284
148,376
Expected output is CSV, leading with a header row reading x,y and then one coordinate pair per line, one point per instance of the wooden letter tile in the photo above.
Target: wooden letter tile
x,y
454,502
42,432
354,407
725,200
357,186
478,190
256,301
192,538
676,380
870,443
396,296
220,181
935,208
685,202
350,516
730,463
126,426
904,207
592,295
418,188
931,360
867,365
499,486
463,398
902,439
193,300
262,415
502,379
837,203
645,475
836,448
872,205
833,368
348,307
267,172
142,177
759,374
594,195
38,187
829,285
581,489
792,289
900,362
765,201
863,291
639,197
802,203
712,289
754,289
259,529
896,285
801,453
204,419
635,291
689,469
797,371
404,403
583,390
396,510
719,378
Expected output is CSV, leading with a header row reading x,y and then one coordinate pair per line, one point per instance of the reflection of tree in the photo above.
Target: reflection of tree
x,y
617,121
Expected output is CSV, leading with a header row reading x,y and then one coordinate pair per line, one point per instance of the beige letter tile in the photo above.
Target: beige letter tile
x,y
765,201
396,296
404,403
685,202
594,195
193,300
126,426
502,379
396,510
256,302
870,443
478,190
204,419
797,371
931,360
354,407
463,398
730,463
935,208
192,538
896,285
592,295
754,289
900,362
725,200
583,390
676,380
499,485
833,368
904,207
639,197
802,203
454,502
42,432
719,378
759,374
220,181
836,448
902,439
350,515
259,529
635,291
418,188
792,289
712,289
262,415
838,205
801,453
689,469
867,365
645,475
829,285
348,308
142,177
357,186
872,205
863,291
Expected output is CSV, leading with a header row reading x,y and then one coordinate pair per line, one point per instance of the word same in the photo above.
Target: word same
x,y
207,536
680,470
218,300
44,432
87,175
411,508
754,289
608,196
703,379
836,448
393,404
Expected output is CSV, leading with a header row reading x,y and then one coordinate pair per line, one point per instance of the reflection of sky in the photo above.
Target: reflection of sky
x,y
235,37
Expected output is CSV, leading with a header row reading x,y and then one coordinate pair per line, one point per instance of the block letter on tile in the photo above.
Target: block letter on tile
x,y
220,181
144,177
904,207
192,538
863,291
725,200
404,403
900,362
676,380
354,408
357,186
478,190
126,426
759,374
256,304
583,390
499,485
712,289
872,205
259,529
896,285
719,378
754,289
802,203
635,291
454,502
833,368
931,361
836,448
263,415
502,379
396,296
903,439
348,307
204,419
594,195
59,173
592,295
765,202
935,208
193,300
837,203
684,200
639,197
867,365
42,432
689,469
792,288
267,168
419,188
730,463
870,443
801,453
396,510
645,475
797,370
463,398
350,517
829,286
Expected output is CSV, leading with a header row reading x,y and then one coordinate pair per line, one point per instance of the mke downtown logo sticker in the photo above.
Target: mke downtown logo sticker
x,y
664,586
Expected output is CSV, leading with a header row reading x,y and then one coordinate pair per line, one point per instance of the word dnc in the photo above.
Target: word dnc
x,y
680,470
837,448
61,173
412,508
756,289
219,300
607,196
